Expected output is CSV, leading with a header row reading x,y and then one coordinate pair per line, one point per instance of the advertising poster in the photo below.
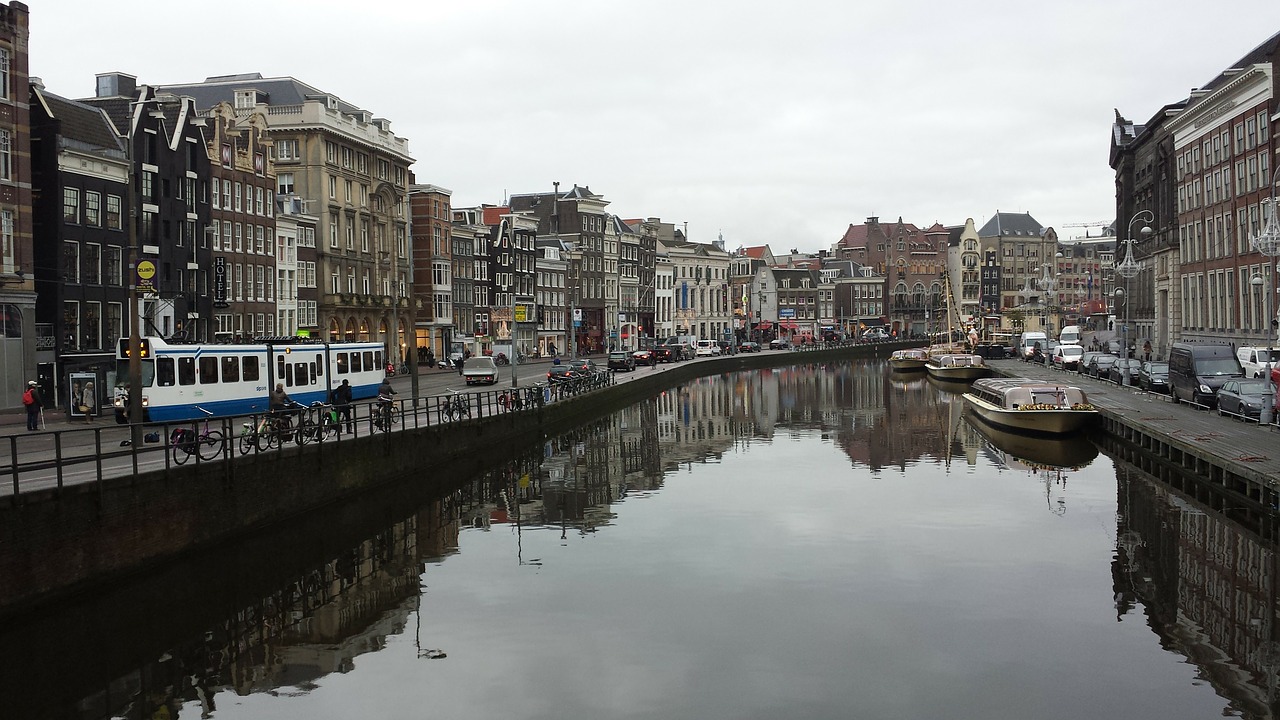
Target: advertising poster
x,y
83,397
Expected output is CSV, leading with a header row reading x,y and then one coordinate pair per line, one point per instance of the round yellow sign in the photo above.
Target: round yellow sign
x,y
146,269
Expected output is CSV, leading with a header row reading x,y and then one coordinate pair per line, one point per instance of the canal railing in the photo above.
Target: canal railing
x,y
54,459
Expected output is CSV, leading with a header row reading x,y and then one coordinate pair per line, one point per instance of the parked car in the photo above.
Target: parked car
x,y
1122,366
481,369
707,348
1099,365
779,344
1154,377
1087,358
1243,398
875,334
645,357
1067,357
622,360
749,347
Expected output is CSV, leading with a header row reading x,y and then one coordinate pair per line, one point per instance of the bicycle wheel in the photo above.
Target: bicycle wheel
x,y
306,430
248,442
181,452
210,445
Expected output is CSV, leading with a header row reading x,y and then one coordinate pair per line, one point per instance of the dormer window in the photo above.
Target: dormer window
x,y
246,99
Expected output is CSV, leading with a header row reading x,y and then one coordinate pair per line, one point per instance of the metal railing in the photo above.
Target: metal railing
x,y
60,458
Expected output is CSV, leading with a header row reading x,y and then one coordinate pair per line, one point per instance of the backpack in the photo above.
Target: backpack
x,y
28,398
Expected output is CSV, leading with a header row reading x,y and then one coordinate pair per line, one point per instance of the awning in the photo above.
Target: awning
x,y
764,325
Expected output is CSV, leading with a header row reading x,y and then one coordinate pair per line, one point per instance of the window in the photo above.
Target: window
x,y
239,204
71,262
113,212
226,194
257,201
114,266
4,72
6,149
284,184
287,150
115,311
333,188
70,204
333,230
92,263
260,240
239,238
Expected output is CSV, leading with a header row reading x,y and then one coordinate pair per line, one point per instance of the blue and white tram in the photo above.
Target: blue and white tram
x,y
238,379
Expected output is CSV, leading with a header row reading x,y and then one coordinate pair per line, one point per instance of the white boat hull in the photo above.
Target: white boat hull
x,y
1053,422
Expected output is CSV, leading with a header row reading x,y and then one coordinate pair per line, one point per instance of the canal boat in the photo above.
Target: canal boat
x,y
957,367
1030,406
908,360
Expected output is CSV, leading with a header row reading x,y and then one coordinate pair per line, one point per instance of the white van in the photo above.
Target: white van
x,y
1027,345
1070,335
706,348
1254,362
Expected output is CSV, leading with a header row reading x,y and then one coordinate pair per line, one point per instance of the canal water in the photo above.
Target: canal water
x,y
825,541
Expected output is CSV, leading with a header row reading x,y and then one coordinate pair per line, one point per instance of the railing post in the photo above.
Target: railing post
x,y
97,456
13,465
57,457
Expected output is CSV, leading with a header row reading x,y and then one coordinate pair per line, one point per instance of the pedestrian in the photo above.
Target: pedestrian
x,y
342,401
31,400
1146,351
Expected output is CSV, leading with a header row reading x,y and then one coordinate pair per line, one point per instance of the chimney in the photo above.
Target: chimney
x,y
116,84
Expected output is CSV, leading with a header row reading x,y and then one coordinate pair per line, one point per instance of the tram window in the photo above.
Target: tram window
x,y
208,370
342,362
280,363
355,362
317,367
164,372
250,363
230,369
186,371
300,376
369,362
288,373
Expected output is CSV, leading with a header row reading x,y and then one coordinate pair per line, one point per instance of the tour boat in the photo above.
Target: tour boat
x,y
1030,405
957,366
910,359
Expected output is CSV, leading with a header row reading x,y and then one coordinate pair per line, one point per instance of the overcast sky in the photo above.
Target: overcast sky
x,y
777,122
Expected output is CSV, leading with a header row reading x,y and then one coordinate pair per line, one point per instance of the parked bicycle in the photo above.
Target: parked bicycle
x,y
195,440
317,423
455,407
511,400
258,435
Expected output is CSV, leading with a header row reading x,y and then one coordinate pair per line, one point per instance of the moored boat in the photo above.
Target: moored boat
x,y
909,359
957,366
1030,405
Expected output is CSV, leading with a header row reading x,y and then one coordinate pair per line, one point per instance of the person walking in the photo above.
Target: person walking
x,y
31,400
342,401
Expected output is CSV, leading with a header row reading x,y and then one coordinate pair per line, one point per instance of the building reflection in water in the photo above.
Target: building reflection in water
x,y
1207,585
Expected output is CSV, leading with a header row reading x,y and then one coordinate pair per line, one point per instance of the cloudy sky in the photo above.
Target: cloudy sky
x,y
770,122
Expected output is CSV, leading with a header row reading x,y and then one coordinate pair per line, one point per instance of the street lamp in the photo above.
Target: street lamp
x,y
1267,243
1129,269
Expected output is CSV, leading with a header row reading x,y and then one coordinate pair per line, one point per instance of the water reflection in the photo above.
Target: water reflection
x,y
334,592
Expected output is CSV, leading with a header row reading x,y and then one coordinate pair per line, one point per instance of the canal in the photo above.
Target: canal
x,y
811,542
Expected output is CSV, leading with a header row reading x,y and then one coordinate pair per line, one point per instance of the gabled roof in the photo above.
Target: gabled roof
x,y
83,123
796,275
1011,225
756,253
857,235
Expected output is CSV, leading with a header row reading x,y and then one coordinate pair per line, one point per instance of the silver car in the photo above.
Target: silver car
x,y
480,370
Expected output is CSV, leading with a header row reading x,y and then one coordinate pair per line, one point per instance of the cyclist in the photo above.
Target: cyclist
x,y
280,405
386,397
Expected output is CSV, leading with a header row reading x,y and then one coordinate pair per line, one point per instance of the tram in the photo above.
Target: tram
x,y
237,379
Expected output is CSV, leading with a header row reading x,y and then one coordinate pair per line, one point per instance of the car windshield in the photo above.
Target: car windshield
x,y
1159,368
1253,388
1105,359
1217,366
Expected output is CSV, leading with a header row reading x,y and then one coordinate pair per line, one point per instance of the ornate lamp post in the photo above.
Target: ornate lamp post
x,y
1129,269
1267,243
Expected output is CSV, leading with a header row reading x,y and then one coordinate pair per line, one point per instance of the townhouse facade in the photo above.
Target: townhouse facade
x,y
700,273
431,229
352,172
17,258
79,164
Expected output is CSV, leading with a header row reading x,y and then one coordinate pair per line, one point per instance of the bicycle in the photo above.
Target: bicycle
x,y
258,435
511,400
455,407
185,442
316,422
384,414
